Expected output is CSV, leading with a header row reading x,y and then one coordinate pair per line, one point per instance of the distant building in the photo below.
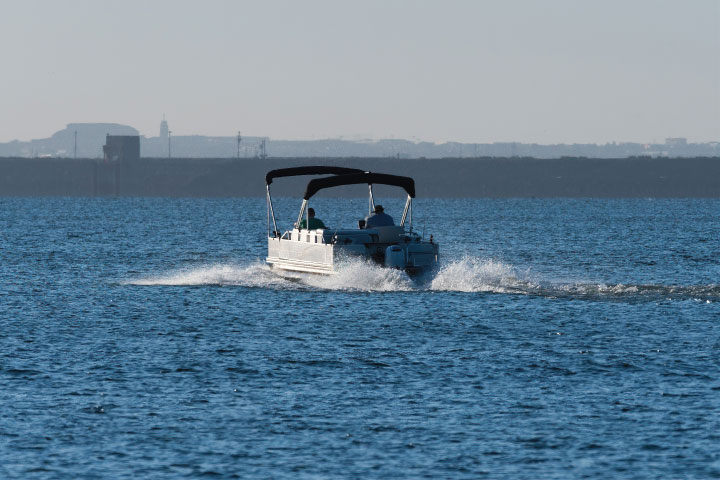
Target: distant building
x,y
676,142
121,148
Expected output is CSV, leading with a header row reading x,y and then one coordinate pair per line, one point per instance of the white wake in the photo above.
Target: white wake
x,y
362,275
356,275
253,275
471,274
468,274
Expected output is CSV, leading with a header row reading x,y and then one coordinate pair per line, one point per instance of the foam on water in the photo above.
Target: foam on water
x,y
256,274
362,276
705,293
468,274
355,275
471,274
465,275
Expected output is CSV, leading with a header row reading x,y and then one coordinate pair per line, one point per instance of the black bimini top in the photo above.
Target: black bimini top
x,y
358,178
311,170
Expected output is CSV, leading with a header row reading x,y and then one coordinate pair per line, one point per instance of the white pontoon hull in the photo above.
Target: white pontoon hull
x,y
319,251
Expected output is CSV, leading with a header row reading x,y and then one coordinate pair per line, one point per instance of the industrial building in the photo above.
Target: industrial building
x,y
121,148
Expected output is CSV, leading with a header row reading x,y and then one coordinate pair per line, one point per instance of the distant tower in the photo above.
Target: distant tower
x,y
164,128
164,132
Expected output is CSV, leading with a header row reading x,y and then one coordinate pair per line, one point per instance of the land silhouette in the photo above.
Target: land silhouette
x,y
448,177
85,140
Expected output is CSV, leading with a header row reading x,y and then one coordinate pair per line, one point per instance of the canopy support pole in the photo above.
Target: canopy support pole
x,y
371,204
302,210
410,215
271,213
408,202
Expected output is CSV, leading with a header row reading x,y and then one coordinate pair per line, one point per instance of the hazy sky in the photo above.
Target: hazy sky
x,y
473,71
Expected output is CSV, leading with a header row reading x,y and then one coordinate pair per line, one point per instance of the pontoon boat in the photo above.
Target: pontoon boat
x,y
319,251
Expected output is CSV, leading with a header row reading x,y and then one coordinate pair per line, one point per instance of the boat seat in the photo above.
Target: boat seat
x,y
389,234
345,237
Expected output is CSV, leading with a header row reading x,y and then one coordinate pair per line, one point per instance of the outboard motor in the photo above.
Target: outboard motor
x,y
395,257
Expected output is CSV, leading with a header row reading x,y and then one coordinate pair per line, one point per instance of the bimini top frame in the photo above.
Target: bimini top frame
x,y
368,178
311,170
297,171
341,176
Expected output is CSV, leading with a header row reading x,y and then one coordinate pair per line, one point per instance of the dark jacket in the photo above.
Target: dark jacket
x,y
315,223
380,219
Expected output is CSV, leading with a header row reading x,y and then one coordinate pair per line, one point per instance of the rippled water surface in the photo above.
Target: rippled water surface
x,y
145,338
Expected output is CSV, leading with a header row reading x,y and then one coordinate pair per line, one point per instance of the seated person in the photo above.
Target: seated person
x,y
379,218
312,223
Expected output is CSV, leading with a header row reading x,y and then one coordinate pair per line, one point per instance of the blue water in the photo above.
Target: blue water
x,y
144,338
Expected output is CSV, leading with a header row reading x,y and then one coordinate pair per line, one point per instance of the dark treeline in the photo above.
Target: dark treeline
x,y
450,177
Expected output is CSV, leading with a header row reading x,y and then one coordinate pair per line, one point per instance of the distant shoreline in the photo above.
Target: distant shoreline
x,y
634,177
